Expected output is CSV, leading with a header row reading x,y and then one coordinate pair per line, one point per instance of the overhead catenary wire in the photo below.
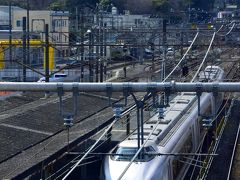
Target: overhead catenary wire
x,y
79,155
198,149
218,139
201,144
222,35
219,28
139,150
217,31
205,57
75,166
193,79
194,39
95,147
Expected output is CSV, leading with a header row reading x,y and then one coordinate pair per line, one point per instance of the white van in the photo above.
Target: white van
x,y
58,77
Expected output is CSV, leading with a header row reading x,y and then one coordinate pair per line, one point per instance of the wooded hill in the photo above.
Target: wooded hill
x,y
135,6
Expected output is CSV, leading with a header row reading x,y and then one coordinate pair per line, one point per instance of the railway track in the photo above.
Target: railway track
x,y
210,167
234,152
226,146
20,111
32,107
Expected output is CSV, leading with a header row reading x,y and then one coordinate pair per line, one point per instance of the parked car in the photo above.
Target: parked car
x,y
58,77
170,51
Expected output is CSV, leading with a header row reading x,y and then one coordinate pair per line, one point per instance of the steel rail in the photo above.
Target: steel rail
x,y
233,154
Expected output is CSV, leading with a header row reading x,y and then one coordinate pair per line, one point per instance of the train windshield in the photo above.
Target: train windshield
x,y
127,153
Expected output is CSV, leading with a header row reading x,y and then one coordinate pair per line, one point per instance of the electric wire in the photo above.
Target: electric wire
x,y
188,48
213,121
139,150
194,39
218,139
198,149
222,35
219,28
217,31
129,164
74,167
204,59
59,176
72,161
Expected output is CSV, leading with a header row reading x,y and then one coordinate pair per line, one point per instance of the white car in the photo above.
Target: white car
x,y
58,77
170,52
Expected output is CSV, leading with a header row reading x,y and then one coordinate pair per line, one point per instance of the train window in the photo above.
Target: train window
x,y
148,157
124,153
127,153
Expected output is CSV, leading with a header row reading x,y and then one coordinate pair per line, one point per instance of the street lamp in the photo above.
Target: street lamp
x,y
89,31
90,53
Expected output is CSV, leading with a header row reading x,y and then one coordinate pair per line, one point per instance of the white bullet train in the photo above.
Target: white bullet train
x,y
180,131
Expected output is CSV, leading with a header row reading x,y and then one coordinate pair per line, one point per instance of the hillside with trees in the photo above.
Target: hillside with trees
x,y
135,6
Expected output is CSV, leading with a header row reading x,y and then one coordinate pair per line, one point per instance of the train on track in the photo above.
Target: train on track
x,y
180,131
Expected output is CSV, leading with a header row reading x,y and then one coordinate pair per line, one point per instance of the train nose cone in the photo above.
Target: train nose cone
x,y
135,171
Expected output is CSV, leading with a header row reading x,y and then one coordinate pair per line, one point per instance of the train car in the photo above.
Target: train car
x,y
180,131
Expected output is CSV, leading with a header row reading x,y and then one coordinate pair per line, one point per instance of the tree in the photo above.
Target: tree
x,y
163,6
104,3
203,4
56,6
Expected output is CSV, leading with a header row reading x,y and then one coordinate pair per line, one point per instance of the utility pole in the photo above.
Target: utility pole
x,y
82,44
90,56
125,68
164,50
102,44
10,31
105,52
97,41
28,35
181,43
76,19
24,49
46,53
